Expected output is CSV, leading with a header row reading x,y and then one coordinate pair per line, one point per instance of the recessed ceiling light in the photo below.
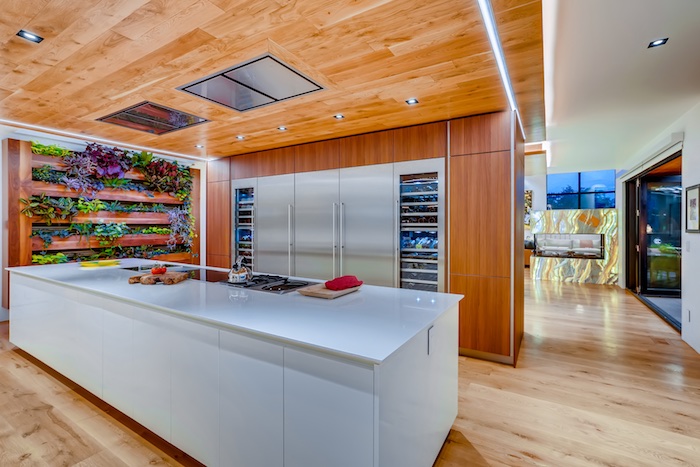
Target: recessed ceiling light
x,y
339,116
657,42
200,146
282,128
412,101
29,36
240,137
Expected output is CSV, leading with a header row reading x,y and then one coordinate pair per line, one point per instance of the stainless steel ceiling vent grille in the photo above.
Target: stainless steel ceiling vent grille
x,y
153,118
261,81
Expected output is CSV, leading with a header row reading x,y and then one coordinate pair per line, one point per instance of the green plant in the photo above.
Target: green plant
x,y
47,174
48,208
52,150
46,258
87,206
47,235
153,230
108,233
141,159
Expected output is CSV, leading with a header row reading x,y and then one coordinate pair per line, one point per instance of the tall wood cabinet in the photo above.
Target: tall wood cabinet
x,y
486,167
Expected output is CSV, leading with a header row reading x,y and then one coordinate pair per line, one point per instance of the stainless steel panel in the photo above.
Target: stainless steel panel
x,y
274,208
229,93
366,224
270,77
315,224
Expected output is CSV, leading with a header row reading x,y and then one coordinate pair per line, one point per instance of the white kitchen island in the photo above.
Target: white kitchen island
x,y
248,378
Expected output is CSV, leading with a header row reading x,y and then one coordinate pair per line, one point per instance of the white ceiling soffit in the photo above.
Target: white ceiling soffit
x,y
607,94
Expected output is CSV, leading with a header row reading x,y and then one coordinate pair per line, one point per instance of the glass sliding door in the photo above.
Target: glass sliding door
x,y
662,199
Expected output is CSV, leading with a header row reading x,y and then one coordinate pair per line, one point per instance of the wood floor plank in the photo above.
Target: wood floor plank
x,y
601,381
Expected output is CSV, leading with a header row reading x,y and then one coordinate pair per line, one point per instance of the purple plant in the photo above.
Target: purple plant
x,y
109,163
78,177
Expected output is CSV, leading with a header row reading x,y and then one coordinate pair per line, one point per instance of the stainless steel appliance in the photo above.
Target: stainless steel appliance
x,y
421,226
316,207
274,221
244,210
366,224
270,283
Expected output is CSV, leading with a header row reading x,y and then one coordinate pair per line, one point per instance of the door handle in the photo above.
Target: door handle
x,y
289,239
335,236
342,236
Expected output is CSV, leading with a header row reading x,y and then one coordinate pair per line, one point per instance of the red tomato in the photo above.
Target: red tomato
x,y
159,270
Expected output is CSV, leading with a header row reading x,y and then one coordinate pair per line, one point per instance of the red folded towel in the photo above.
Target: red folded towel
x,y
343,282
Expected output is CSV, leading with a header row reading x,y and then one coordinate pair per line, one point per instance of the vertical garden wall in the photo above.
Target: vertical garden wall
x,y
99,203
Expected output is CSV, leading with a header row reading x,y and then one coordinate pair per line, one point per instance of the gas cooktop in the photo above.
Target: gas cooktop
x,y
270,283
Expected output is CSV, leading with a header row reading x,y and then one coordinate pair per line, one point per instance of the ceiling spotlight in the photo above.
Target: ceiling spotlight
x,y
240,137
200,146
29,36
282,128
657,42
412,101
339,116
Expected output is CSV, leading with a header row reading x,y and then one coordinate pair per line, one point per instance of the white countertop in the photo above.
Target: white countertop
x,y
367,325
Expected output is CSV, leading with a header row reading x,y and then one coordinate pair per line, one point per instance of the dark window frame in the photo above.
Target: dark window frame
x,y
578,193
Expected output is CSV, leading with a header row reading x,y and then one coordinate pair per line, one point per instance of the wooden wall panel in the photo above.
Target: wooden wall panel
x,y
368,149
276,162
484,313
480,214
518,241
219,219
218,261
245,166
481,133
218,170
263,163
196,213
420,142
321,155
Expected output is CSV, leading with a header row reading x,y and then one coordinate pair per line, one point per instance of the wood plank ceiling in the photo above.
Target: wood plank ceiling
x,y
101,56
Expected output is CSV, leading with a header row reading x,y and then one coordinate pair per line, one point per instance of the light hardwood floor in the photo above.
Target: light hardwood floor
x,y
601,381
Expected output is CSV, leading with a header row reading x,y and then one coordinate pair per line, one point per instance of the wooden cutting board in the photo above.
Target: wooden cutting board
x,y
320,291
168,278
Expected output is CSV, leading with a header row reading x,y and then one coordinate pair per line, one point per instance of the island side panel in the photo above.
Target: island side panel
x,y
416,391
328,411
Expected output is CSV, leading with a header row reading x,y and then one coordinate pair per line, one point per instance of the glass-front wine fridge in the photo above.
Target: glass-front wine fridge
x,y
421,237
244,222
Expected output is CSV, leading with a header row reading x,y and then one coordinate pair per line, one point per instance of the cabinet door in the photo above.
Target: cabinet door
x,y
316,224
251,411
328,412
195,390
151,372
274,225
367,224
118,357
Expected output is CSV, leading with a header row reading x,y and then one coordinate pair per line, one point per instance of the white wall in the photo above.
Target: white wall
x,y
690,262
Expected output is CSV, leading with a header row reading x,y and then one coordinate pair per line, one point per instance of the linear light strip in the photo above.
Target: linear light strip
x,y
492,31
53,131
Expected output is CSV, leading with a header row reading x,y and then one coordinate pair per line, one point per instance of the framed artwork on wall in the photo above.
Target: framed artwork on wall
x,y
692,199
528,207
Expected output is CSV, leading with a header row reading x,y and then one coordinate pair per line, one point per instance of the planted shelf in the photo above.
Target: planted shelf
x,y
75,242
104,217
39,160
108,194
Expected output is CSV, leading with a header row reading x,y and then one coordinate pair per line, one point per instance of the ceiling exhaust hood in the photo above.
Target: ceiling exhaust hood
x,y
258,82
153,118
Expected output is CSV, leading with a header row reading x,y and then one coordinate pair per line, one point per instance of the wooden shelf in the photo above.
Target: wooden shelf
x,y
175,257
104,217
39,160
75,242
108,194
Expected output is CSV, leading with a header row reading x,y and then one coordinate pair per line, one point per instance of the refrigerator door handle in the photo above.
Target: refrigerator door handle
x,y
289,239
335,237
342,236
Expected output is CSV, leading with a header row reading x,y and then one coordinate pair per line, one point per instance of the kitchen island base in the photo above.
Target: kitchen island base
x,y
230,397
